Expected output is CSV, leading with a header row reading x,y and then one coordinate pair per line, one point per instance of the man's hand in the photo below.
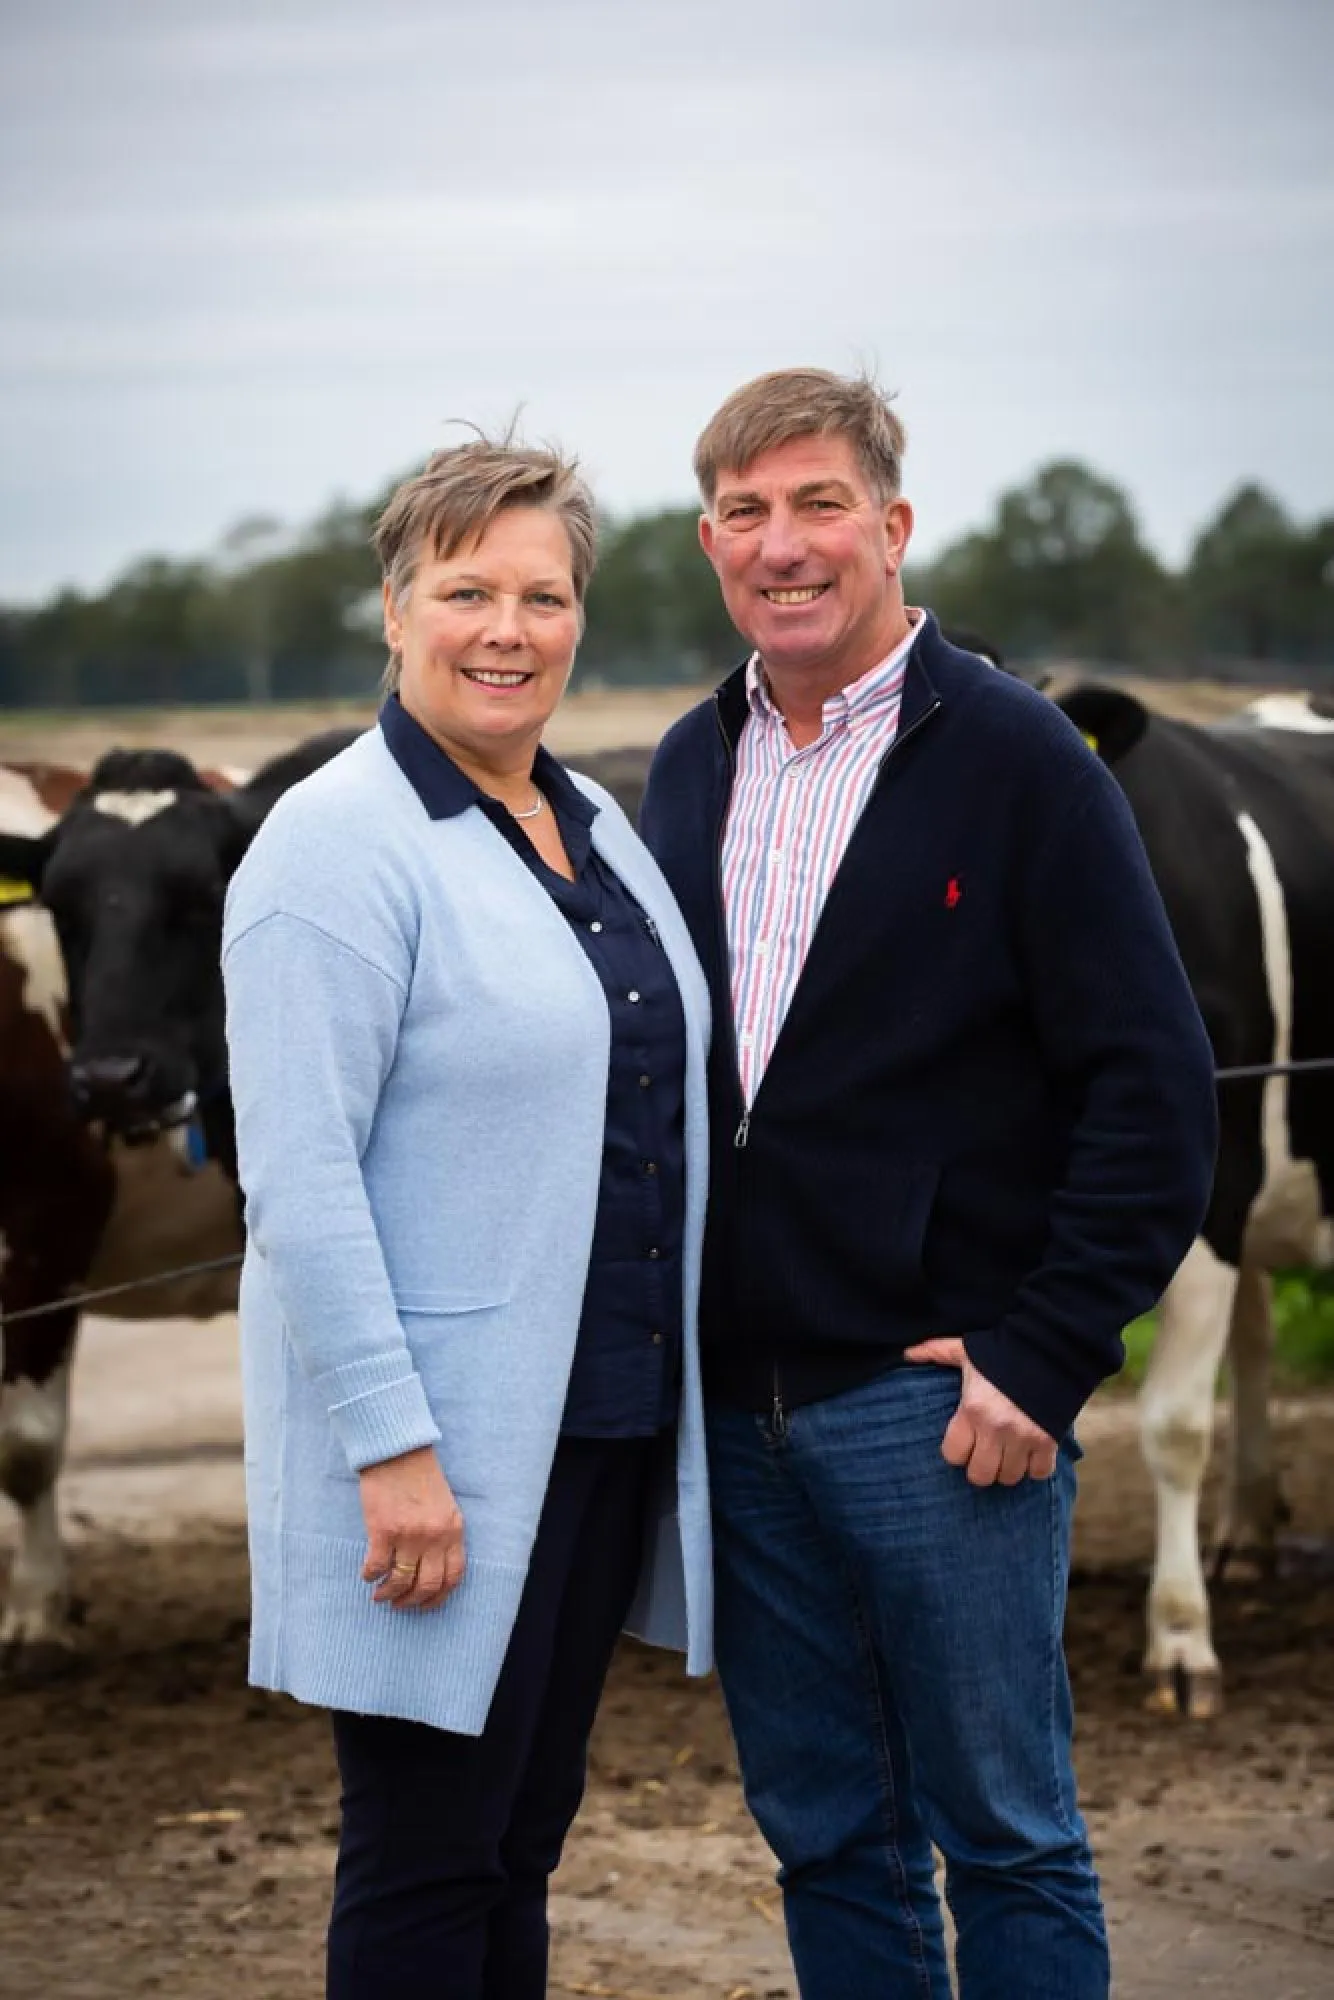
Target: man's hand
x,y
987,1433
414,1529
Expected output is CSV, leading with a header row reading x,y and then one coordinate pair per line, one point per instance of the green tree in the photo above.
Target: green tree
x,y
51,647
249,558
1061,570
1313,594
1244,581
654,609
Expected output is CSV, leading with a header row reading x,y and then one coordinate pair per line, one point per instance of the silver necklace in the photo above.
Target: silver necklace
x,y
529,812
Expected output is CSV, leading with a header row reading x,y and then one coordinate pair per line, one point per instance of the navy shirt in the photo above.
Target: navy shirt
x,y
625,1378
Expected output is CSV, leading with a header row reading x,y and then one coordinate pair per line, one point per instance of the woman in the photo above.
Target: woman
x,y
467,1036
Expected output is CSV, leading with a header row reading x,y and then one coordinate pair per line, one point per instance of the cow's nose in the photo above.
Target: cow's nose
x,y
105,1080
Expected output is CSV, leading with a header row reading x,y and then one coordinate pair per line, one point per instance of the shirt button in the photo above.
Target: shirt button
x,y
655,1253
595,926
761,946
645,1080
632,995
656,1338
650,1166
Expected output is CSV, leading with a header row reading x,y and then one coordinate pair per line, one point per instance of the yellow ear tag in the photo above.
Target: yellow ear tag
x,y
14,892
1092,741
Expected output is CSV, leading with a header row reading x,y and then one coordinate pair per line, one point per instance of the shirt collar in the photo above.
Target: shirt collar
x,y
445,790
859,702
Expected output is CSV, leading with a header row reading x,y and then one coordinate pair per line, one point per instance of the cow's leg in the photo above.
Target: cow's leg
x,y
1177,1420
36,1626
1253,1505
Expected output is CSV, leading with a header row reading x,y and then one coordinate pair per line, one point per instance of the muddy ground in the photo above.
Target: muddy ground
x,y
163,1830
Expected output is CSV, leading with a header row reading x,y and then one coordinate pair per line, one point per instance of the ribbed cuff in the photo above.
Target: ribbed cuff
x,y
378,1409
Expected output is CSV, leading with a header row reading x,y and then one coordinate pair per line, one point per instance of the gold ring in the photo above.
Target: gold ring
x,y
406,1569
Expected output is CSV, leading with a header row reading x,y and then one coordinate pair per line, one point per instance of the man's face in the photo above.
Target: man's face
x,y
808,559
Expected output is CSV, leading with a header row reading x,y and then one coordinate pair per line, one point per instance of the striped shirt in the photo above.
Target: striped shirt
x,y
791,816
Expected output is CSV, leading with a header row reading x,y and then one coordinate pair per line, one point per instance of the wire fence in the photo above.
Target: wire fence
x,y
76,1301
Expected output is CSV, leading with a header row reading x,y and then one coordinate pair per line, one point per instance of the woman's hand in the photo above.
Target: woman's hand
x,y
414,1529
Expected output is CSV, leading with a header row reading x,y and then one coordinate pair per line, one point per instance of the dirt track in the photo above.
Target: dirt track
x,y
1216,1842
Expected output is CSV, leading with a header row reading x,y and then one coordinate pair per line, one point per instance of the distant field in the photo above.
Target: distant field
x,y
601,719
1188,701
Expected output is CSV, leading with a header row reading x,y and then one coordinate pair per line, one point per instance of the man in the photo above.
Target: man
x,y
963,1133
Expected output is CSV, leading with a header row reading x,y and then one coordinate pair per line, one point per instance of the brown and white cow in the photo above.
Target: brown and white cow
x,y
76,1211
98,1183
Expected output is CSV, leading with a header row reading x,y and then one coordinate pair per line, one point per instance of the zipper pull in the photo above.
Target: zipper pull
x,y
742,1131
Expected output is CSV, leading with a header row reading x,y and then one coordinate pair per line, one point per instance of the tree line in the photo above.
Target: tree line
x,y
1061,571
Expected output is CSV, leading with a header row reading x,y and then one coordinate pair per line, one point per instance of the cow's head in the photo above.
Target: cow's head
x,y
134,875
1111,722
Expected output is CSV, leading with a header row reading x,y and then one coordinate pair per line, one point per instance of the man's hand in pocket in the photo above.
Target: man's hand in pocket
x,y
988,1434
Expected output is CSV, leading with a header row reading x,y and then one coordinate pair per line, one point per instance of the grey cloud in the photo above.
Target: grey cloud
x,y
256,254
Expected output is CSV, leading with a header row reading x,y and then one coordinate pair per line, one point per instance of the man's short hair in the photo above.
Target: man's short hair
x,y
803,402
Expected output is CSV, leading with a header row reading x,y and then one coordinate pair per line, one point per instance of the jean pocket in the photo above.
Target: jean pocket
x,y
1072,1448
941,1376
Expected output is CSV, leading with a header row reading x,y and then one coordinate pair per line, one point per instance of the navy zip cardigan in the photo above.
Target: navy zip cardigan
x,y
990,1110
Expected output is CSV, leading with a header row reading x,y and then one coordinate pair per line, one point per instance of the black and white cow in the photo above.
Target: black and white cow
x,y
134,875
1238,821
135,859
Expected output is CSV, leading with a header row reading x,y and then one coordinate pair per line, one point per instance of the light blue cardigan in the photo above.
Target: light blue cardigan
x,y
419,1057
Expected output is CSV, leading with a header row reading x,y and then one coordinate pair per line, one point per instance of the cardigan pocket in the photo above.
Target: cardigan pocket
x,y
415,1304
429,1299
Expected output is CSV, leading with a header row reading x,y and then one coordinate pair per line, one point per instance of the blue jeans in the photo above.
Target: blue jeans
x,y
889,1645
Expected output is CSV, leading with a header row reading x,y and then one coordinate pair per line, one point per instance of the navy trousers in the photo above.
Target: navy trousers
x,y
448,1841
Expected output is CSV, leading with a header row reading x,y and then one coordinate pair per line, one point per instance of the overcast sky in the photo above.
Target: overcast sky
x,y
253,256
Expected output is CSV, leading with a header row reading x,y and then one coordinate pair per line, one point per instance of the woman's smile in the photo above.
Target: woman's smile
x,y
495,677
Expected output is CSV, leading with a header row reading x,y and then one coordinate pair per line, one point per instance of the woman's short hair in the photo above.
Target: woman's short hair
x,y
456,496
803,402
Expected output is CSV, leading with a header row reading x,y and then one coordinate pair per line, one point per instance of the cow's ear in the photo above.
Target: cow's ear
x,y
241,821
1110,722
23,860
252,802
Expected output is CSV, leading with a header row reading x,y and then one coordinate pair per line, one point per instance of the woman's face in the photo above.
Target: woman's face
x,y
487,638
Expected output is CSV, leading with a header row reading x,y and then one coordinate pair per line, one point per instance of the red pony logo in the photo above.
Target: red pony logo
x,y
953,894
